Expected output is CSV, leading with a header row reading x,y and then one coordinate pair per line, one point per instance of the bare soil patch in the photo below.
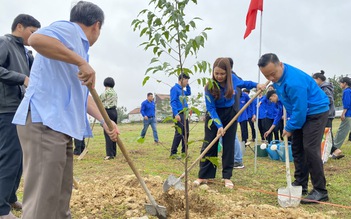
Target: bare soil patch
x,y
125,198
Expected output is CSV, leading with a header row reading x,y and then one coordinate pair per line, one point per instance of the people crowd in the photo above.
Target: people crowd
x,y
62,61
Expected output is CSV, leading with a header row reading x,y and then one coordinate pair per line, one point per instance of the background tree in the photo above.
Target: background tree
x,y
197,102
121,113
337,90
163,109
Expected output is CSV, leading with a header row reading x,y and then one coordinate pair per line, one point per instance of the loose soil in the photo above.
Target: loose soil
x,y
126,198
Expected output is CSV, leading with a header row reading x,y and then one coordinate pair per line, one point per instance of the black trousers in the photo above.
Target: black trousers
x,y
244,131
10,162
279,129
207,168
79,146
330,125
110,145
267,125
252,126
261,128
306,150
179,137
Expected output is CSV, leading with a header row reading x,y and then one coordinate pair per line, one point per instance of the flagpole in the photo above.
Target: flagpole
x,y
258,99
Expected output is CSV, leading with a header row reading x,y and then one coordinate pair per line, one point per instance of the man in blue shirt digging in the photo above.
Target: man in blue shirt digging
x,y
308,107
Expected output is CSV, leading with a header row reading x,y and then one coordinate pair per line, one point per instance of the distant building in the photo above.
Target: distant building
x,y
162,97
135,116
163,107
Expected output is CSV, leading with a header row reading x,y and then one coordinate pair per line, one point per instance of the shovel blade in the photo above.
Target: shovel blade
x,y
289,196
172,181
158,211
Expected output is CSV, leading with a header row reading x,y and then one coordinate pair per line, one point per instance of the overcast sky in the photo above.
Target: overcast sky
x,y
311,35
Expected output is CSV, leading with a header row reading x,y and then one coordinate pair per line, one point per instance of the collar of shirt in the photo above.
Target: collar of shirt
x,y
84,38
282,78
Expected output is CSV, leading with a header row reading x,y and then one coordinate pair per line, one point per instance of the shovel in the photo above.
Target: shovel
x,y
75,183
291,195
85,151
176,182
153,208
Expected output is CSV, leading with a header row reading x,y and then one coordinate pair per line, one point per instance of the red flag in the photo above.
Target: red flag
x,y
251,16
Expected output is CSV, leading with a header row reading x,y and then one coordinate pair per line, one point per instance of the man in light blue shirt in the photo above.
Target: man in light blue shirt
x,y
54,110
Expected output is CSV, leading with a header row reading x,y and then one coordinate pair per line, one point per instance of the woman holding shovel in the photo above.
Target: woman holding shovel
x,y
220,107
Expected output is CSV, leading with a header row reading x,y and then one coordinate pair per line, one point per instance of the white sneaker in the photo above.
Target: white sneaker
x,y
9,216
238,165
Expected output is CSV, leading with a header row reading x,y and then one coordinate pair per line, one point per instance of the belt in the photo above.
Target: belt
x,y
150,117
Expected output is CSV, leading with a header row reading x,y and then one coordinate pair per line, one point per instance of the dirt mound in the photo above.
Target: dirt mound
x,y
124,198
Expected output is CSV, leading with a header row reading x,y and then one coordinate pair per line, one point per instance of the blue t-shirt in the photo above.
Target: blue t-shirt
x,y
279,113
178,98
147,108
243,100
346,101
262,110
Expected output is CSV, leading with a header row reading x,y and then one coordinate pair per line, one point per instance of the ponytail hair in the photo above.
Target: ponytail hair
x,y
319,75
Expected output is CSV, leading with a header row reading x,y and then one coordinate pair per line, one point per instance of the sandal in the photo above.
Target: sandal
x,y
228,184
199,182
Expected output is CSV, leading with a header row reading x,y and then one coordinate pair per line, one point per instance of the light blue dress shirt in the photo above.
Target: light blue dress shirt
x,y
55,94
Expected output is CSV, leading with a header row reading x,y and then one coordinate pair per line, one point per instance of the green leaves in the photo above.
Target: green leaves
x,y
167,31
143,31
145,80
196,111
213,160
209,123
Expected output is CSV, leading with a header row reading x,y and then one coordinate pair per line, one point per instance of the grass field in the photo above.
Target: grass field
x,y
258,186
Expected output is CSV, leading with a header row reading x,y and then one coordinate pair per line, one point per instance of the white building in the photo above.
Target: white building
x,y
135,116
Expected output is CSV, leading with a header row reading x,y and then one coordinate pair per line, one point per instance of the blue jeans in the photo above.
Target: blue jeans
x,y
152,122
238,156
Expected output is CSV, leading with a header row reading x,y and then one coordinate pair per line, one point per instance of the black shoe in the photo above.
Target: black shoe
x,y
314,197
304,188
